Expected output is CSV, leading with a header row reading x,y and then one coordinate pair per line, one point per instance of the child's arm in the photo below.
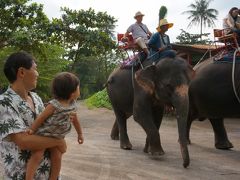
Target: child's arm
x,y
77,126
48,111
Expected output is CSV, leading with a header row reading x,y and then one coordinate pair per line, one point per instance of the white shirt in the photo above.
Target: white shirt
x,y
137,31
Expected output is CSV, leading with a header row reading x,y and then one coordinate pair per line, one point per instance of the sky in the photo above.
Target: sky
x,y
124,11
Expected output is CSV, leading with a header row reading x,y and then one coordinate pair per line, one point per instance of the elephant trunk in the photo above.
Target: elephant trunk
x,y
181,103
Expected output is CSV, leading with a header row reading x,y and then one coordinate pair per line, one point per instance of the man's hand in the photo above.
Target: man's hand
x,y
124,39
162,48
29,131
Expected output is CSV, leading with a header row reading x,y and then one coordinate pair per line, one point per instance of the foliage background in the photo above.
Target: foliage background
x,y
99,99
81,42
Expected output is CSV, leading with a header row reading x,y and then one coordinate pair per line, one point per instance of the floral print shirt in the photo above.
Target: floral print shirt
x,y
16,116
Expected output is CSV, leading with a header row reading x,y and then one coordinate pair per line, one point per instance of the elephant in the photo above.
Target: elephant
x,y
144,96
211,96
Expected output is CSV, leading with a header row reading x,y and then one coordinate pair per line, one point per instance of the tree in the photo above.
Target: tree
x,y
85,32
200,14
80,41
88,38
187,38
24,26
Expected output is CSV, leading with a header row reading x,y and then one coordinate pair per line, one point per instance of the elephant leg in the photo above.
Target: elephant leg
x,y
157,116
192,114
220,134
115,131
189,123
157,119
145,118
121,119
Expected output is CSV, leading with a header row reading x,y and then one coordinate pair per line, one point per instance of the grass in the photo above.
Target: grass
x,y
99,100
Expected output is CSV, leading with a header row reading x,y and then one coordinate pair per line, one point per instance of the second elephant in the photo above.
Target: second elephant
x,y
211,96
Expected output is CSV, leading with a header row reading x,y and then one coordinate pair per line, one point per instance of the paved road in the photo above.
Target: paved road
x,y
100,158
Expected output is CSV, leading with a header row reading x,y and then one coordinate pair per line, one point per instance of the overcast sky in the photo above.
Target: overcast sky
x,y
124,10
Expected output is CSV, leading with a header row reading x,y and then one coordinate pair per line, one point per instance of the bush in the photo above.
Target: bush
x,y
99,99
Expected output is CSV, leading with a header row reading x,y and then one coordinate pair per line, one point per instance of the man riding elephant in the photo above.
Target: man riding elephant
x,y
159,43
140,32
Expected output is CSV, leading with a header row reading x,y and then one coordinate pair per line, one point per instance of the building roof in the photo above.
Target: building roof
x,y
194,48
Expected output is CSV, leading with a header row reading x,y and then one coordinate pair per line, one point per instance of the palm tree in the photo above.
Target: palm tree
x,y
200,14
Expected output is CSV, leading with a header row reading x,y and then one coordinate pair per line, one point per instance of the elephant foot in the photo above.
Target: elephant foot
x,y
114,137
126,146
154,151
224,145
145,149
157,153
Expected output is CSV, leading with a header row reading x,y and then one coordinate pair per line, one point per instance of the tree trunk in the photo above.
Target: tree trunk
x,y
201,28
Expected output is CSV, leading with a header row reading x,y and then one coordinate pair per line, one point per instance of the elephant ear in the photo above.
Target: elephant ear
x,y
145,79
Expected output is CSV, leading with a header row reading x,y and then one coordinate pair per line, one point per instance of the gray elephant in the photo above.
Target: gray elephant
x,y
144,97
211,96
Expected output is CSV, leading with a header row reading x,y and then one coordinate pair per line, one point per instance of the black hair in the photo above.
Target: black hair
x,y
14,62
232,9
64,84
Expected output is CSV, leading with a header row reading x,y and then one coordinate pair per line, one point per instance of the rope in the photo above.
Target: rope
x,y
233,73
204,56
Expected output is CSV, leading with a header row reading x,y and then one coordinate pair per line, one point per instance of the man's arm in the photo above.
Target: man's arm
x,y
129,30
153,42
150,34
35,142
125,36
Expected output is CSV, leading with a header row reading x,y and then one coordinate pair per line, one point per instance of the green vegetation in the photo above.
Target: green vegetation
x,y
99,99
201,14
80,41
187,38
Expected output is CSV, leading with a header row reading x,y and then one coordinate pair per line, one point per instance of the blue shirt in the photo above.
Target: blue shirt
x,y
158,41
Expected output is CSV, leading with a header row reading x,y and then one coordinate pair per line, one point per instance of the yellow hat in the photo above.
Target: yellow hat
x,y
163,22
138,14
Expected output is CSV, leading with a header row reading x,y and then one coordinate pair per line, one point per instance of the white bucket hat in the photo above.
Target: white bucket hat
x,y
138,14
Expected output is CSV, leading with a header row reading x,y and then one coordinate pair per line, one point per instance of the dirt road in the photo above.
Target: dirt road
x,y
100,158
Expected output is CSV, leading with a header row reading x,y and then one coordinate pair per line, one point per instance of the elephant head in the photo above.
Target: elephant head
x,y
167,83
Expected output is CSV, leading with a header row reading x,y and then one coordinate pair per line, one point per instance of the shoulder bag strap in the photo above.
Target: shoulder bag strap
x,y
143,29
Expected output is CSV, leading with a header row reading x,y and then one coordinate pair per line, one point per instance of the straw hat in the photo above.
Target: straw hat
x,y
163,22
138,14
